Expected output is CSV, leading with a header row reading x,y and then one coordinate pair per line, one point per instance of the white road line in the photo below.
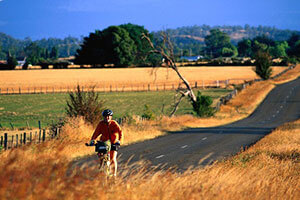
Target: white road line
x,y
184,146
160,156
204,138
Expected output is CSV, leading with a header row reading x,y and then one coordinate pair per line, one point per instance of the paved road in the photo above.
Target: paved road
x,y
202,146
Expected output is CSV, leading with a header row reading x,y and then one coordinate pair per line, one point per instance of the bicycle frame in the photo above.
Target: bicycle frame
x,y
104,162
104,159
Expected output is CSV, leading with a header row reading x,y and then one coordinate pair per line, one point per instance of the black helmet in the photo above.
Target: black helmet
x,y
107,112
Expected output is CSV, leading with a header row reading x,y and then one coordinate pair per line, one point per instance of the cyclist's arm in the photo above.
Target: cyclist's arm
x,y
119,130
96,132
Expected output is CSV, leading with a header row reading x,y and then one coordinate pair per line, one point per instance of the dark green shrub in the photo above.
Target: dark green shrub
x,y
202,107
86,104
292,60
148,113
263,64
11,62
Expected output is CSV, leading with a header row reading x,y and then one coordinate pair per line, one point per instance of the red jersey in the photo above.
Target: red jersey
x,y
109,131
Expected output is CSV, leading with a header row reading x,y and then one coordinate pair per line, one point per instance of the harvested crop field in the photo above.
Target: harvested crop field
x,y
122,79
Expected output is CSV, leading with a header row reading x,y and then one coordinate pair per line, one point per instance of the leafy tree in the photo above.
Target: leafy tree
x,y
279,50
229,52
142,46
264,40
245,48
54,53
33,53
121,48
11,62
293,39
2,54
263,64
216,41
294,43
113,45
92,50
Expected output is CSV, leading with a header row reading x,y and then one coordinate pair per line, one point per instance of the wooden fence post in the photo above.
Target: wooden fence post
x,y
196,85
17,140
30,137
1,141
24,138
21,139
35,137
12,141
40,135
44,135
40,126
19,90
148,87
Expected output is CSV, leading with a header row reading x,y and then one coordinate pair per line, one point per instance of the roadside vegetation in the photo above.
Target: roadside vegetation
x,y
267,170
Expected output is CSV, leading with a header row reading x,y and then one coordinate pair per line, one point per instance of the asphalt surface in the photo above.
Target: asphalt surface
x,y
201,146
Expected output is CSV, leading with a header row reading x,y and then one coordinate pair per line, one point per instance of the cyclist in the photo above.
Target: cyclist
x,y
111,131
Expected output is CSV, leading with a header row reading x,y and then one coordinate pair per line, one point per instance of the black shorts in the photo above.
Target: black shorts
x,y
115,147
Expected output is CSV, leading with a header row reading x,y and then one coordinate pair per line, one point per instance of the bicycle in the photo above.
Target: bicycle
x,y
102,149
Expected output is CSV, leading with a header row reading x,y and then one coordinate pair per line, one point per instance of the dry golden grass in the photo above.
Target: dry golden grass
x,y
129,77
268,170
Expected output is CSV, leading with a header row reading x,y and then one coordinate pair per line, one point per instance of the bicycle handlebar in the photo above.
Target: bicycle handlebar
x,y
89,145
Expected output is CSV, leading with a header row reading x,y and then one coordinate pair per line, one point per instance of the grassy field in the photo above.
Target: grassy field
x,y
48,108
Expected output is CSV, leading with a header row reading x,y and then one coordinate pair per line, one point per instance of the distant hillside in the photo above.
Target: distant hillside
x,y
236,33
66,47
192,37
187,39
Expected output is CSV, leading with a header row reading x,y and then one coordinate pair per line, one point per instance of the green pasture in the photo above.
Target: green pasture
x,y
48,108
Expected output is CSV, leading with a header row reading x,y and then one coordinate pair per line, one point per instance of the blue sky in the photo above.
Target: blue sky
x,y
61,18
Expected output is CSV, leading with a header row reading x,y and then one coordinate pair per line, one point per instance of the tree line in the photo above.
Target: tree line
x,y
123,46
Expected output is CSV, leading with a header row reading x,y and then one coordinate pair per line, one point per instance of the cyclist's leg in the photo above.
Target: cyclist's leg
x,y
100,161
113,162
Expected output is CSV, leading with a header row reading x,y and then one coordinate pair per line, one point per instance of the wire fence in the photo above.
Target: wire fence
x,y
120,88
15,140
224,100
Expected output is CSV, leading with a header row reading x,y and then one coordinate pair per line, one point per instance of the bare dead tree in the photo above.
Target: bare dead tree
x,y
166,51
